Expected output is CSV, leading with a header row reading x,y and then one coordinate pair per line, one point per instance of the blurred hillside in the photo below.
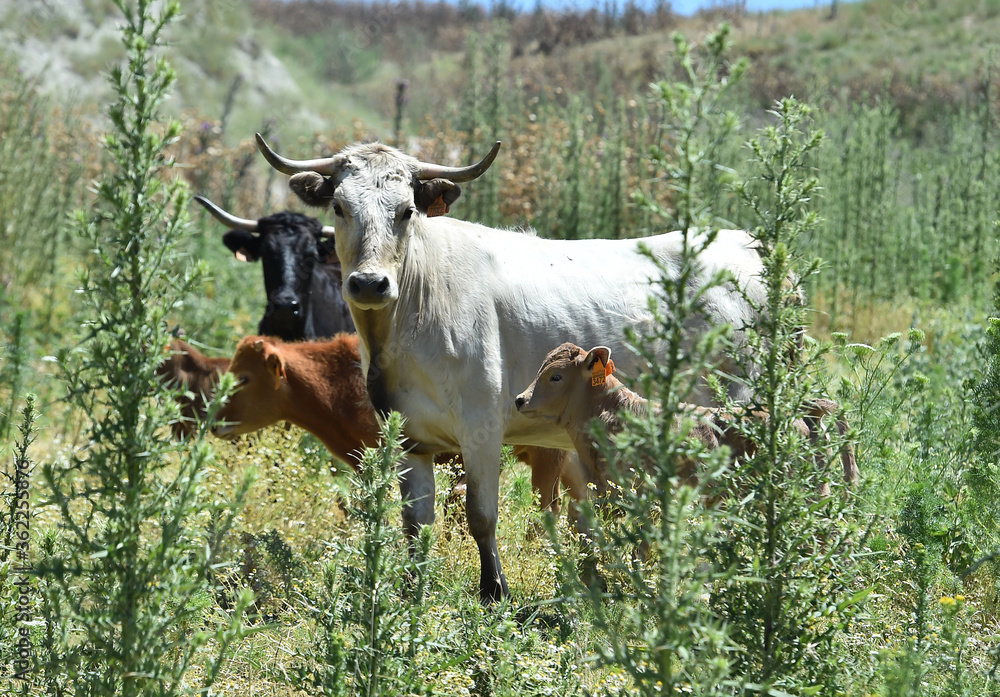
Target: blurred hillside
x,y
307,65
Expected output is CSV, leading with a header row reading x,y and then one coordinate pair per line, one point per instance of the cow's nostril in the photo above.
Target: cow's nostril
x,y
383,286
519,402
354,286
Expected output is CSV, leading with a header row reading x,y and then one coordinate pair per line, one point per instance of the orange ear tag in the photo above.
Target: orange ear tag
x,y
610,369
439,207
599,374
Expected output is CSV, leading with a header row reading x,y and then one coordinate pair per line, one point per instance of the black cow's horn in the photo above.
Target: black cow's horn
x,y
458,174
227,219
325,165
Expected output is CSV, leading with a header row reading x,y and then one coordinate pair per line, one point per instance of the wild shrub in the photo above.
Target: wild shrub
x,y
124,585
911,411
366,610
35,186
644,575
13,360
792,540
42,177
984,472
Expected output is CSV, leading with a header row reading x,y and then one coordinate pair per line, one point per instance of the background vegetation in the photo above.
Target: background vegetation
x,y
903,221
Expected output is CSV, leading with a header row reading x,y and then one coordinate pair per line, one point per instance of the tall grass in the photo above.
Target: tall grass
x,y
43,156
364,641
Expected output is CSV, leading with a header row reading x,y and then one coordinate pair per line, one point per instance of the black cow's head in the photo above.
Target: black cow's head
x,y
289,247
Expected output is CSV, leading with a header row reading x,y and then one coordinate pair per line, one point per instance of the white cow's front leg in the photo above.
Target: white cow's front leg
x,y
482,467
416,485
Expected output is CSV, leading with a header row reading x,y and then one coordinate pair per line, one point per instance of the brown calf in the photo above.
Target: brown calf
x,y
190,370
318,385
575,387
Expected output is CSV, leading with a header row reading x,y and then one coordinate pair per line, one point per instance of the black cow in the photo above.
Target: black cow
x,y
301,272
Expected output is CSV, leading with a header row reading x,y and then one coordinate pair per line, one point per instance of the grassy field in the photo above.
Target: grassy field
x,y
892,588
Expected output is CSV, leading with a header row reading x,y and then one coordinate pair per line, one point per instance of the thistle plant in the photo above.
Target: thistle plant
x,y
366,637
791,512
984,474
645,577
124,586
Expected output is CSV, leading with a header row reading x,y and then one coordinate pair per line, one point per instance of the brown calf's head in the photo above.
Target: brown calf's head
x,y
260,397
567,384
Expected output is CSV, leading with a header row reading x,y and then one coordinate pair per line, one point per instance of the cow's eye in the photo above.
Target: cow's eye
x,y
242,381
407,214
338,211
556,377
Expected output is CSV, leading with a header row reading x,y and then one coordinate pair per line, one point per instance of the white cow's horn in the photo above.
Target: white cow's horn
x,y
324,165
458,174
328,231
227,219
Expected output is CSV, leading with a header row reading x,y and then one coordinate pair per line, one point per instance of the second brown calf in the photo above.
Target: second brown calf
x,y
189,370
574,388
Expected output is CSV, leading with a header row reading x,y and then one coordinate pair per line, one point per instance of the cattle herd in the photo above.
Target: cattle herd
x,y
397,307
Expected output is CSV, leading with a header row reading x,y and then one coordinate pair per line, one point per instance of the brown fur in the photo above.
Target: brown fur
x,y
563,392
196,374
318,385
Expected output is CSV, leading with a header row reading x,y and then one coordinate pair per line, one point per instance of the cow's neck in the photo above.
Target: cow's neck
x,y
329,399
377,350
617,398
606,406
403,326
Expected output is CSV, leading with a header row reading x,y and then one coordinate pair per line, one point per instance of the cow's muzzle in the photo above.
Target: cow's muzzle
x,y
370,291
224,431
284,320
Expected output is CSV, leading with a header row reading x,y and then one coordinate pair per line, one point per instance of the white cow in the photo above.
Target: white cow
x,y
455,317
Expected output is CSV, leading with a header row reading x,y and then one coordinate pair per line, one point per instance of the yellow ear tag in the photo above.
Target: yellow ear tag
x,y
599,374
439,207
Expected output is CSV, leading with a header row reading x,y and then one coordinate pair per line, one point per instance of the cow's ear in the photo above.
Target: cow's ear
x,y
598,353
276,366
244,245
435,196
314,189
326,250
598,363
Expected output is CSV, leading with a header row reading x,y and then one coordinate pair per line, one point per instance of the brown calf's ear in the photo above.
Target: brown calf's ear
x,y
599,364
314,189
434,197
276,364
